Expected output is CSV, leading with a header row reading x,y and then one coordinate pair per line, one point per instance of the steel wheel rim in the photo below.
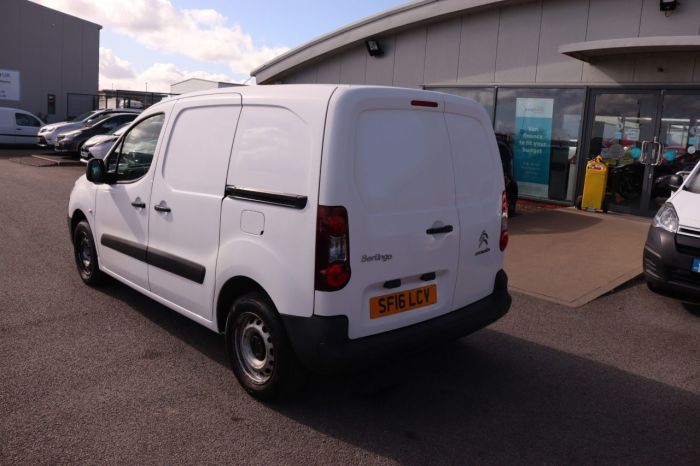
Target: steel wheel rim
x,y
84,253
254,349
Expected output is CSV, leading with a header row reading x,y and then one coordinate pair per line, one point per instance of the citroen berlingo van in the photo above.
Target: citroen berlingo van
x,y
318,227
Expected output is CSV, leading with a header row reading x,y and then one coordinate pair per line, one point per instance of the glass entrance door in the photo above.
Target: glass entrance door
x,y
621,123
645,137
679,135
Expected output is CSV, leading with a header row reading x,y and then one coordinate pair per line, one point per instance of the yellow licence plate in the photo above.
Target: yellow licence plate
x,y
407,300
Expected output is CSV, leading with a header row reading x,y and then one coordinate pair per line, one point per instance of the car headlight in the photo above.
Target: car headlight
x,y
666,218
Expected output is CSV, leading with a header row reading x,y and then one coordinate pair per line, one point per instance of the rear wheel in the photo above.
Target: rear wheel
x,y
579,202
261,357
85,255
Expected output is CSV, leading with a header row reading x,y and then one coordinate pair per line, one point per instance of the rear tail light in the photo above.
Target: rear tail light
x,y
503,243
332,248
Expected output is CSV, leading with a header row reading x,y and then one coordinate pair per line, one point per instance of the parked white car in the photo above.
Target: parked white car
x,y
49,134
319,227
672,249
18,126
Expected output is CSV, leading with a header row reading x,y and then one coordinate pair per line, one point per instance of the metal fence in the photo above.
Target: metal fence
x,y
80,103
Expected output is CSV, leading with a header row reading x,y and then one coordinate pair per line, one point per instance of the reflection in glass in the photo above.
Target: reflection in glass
x,y
545,144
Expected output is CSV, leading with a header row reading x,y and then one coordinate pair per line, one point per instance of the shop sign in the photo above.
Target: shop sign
x,y
533,141
9,85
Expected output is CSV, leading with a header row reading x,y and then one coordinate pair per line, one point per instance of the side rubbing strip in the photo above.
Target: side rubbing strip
x,y
168,262
266,197
177,265
131,249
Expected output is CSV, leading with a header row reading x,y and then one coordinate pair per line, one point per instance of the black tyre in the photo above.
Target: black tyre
x,y
86,255
654,287
579,202
261,357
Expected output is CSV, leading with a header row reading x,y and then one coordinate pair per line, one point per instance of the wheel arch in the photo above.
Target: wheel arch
x,y
233,288
77,217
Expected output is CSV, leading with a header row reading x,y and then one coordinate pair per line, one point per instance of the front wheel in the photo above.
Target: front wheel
x,y
261,357
85,255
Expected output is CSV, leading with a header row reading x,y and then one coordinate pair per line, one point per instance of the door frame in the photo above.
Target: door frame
x,y
593,92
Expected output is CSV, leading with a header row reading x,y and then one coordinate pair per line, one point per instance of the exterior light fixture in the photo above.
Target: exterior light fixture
x,y
668,5
374,49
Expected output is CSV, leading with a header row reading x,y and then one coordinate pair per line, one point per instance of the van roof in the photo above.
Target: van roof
x,y
306,92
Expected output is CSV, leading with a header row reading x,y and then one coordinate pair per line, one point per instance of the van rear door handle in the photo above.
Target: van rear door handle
x,y
161,208
138,204
439,230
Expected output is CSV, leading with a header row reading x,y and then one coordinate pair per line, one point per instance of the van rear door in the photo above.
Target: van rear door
x,y
387,160
479,189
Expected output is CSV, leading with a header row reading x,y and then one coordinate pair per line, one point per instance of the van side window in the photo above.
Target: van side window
x,y
132,159
199,148
272,151
23,119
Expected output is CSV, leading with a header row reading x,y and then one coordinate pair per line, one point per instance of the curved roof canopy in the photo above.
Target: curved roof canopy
x,y
588,51
403,17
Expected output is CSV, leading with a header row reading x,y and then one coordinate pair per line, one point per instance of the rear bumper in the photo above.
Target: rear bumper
x,y
668,260
322,343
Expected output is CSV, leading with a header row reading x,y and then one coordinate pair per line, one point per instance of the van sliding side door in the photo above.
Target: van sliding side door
x,y
188,189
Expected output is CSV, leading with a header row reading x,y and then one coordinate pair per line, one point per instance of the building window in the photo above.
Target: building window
x,y
541,127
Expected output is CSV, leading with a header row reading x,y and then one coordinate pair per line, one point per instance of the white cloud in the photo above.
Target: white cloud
x,y
118,73
201,34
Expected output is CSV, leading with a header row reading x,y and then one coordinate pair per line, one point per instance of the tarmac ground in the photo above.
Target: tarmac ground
x,y
109,376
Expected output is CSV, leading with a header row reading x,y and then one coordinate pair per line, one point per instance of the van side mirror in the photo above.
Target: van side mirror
x,y
97,173
675,182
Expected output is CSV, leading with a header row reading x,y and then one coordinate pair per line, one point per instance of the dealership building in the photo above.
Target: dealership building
x,y
563,81
47,60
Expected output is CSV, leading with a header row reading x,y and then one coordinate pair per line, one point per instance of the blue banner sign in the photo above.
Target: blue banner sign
x,y
533,141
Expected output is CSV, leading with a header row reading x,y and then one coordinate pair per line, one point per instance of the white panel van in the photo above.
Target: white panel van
x,y
317,227
18,126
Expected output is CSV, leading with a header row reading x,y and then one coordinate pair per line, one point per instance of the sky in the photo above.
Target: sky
x,y
150,44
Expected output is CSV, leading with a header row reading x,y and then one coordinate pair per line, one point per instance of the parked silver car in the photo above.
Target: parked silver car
x,y
48,134
97,146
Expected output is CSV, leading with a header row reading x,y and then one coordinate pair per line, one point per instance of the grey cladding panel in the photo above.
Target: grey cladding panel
x,y
10,55
304,76
72,53
518,43
684,21
33,40
610,70
442,52
664,68
328,71
353,65
477,50
609,19
562,23
380,70
410,58
91,59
